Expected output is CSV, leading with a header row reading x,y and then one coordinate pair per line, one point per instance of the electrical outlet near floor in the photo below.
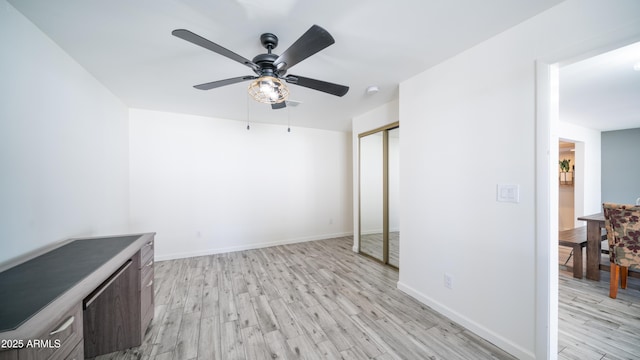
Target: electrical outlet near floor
x,y
448,281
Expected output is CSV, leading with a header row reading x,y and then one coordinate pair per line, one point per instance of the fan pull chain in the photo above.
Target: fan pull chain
x,y
248,127
288,119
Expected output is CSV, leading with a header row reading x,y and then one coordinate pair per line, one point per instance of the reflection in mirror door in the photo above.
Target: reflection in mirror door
x,y
371,195
379,194
393,181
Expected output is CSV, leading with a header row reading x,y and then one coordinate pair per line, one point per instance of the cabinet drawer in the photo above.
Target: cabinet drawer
x,y
146,267
77,353
146,320
146,292
59,340
146,252
146,299
8,354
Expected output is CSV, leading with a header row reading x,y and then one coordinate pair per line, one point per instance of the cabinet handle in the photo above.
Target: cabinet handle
x,y
150,263
149,243
64,326
150,283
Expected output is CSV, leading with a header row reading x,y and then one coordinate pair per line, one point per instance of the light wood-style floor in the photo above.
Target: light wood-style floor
x,y
314,300
592,325
372,245
319,300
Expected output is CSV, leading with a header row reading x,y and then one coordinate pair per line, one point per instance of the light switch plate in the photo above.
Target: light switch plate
x,y
508,193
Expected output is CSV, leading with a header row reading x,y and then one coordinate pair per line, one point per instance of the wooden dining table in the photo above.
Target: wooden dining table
x,y
595,224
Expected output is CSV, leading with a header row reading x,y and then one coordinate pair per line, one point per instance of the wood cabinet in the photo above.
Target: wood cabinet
x,y
77,353
57,340
118,312
101,292
111,314
146,286
60,339
8,354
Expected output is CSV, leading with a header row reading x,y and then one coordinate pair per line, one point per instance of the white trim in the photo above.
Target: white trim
x,y
546,151
473,326
546,330
229,249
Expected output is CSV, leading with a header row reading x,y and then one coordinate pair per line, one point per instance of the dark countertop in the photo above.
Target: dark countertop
x,y
29,287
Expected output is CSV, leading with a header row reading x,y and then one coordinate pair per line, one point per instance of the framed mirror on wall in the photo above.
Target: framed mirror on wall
x,y
379,157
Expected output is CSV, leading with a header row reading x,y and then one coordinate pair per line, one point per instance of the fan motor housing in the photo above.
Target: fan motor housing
x,y
265,61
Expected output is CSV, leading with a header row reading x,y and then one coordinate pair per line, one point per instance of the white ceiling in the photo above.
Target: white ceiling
x,y
127,45
602,92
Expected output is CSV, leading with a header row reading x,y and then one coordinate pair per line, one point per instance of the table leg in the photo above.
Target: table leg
x,y
593,250
577,261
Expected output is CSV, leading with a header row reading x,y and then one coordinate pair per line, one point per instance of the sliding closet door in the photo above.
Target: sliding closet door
x,y
393,191
371,195
379,194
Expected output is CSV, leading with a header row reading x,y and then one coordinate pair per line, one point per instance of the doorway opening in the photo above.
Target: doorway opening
x,y
566,182
553,129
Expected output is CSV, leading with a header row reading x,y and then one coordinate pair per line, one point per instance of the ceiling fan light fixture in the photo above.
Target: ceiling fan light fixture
x,y
268,90
269,87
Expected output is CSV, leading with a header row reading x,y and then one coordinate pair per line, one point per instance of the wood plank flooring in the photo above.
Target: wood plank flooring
x,y
592,325
372,245
319,300
314,300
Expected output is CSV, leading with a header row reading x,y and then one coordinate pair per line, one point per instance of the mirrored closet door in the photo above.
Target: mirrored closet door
x,y
393,186
379,194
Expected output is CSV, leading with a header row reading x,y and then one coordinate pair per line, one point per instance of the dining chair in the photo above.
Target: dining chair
x,y
623,234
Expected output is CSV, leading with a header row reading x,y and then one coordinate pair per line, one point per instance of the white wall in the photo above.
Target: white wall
x,y
566,210
208,185
468,124
378,117
587,184
621,148
63,144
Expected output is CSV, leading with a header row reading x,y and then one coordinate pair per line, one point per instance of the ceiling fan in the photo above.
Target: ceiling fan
x,y
268,86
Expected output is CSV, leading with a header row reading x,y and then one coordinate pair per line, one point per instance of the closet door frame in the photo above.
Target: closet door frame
x,y
385,191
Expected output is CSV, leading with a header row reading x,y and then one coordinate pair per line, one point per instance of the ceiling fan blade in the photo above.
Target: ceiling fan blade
x,y
219,83
277,106
312,41
209,45
330,88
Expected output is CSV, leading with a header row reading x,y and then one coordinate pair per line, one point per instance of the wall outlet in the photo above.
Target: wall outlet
x,y
448,281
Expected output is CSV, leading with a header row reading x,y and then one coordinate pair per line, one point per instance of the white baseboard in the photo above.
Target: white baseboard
x,y
372,232
229,249
471,325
